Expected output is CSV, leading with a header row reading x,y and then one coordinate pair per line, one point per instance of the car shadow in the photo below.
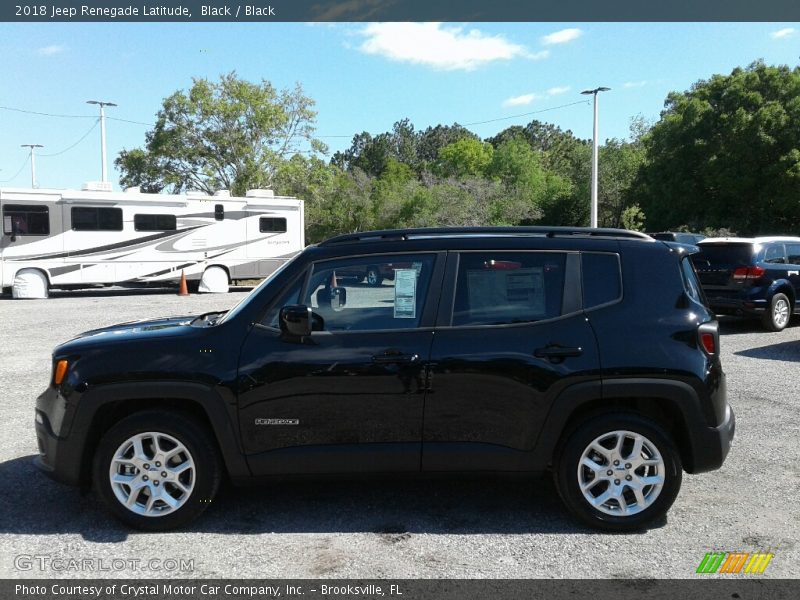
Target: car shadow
x,y
32,504
785,351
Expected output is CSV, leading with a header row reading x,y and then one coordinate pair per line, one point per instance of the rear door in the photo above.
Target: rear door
x,y
511,335
793,266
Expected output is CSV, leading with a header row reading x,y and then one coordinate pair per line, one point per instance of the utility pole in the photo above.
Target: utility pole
x,y
33,161
102,135
594,93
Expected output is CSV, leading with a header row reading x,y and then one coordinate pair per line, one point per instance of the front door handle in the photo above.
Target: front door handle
x,y
394,358
556,354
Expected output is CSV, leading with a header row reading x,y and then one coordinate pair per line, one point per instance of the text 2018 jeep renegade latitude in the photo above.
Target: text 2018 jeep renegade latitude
x,y
587,352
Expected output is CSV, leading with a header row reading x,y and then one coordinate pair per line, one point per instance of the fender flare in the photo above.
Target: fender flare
x,y
678,394
221,416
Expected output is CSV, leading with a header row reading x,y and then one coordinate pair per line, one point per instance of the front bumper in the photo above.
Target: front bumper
x,y
711,445
60,454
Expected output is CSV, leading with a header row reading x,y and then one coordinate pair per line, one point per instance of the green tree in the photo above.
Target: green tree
x,y
230,134
726,153
467,157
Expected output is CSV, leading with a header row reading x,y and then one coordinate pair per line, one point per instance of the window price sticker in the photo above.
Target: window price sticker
x,y
405,294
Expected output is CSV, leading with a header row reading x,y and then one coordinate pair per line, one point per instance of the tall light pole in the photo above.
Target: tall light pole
x,y
33,161
594,93
102,134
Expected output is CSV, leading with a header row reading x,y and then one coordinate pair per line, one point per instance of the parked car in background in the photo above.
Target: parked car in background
x,y
751,277
681,237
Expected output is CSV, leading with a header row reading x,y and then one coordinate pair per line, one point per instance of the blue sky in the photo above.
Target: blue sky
x,y
362,76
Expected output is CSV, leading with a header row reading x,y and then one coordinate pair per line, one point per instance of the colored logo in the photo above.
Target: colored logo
x,y
735,562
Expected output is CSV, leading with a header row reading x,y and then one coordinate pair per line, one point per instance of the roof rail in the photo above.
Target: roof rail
x,y
429,232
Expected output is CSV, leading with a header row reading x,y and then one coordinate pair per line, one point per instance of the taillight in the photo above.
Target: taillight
x,y
61,371
708,342
745,273
708,338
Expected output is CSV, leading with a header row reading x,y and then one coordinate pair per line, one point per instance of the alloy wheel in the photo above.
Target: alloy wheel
x,y
621,473
152,474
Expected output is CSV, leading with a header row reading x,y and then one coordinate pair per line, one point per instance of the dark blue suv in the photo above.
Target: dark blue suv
x,y
751,277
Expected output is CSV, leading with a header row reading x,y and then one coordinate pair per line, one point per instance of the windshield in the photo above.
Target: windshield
x,y
231,314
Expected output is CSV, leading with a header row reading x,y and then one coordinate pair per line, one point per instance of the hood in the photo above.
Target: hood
x,y
134,331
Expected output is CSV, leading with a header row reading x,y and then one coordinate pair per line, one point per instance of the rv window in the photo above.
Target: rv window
x,y
272,225
91,218
26,219
154,222
219,212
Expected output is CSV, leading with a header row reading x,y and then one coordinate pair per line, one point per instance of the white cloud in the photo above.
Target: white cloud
x,y
50,50
634,84
562,37
782,33
445,48
558,90
523,100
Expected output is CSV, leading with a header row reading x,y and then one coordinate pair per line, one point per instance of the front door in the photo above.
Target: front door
x,y
516,336
350,397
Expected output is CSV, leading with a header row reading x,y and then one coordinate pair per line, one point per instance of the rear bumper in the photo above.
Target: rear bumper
x,y
736,306
711,445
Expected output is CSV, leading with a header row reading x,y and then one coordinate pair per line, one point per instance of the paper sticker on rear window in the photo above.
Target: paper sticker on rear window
x,y
405,293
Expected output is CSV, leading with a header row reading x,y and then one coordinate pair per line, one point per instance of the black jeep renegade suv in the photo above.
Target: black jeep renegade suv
x,y
587,352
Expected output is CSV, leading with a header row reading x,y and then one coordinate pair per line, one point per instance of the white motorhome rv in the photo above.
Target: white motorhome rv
x,y
71,239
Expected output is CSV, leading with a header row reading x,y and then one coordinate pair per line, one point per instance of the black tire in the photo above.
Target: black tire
x,y
771,320
197,440
373,277
567,464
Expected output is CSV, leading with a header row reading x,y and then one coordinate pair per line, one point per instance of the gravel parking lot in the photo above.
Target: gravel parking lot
x,y
390,528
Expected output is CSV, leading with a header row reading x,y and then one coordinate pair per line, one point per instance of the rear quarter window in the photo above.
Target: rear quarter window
x,y
690,281
602,281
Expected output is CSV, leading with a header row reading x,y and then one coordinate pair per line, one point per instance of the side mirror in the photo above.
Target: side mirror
x,y
295,320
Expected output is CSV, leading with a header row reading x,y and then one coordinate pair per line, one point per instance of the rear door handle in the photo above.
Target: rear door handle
x,y
394,358
557,354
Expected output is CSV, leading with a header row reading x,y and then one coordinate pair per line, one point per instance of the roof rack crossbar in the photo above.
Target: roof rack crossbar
x,y
405,234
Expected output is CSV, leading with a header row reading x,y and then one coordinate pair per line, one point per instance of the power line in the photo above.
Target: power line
x,y
534,112
83,137
24,164
44,114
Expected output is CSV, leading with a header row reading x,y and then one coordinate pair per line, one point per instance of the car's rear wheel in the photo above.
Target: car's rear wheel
x,y
157,470
618,472
778,314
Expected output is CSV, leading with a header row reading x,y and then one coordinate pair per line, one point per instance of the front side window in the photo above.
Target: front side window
x,y
370,293
499,288
272,225
155,222
95,218
26,219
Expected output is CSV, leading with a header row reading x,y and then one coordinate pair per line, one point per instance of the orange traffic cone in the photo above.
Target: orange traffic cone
x,y
183,290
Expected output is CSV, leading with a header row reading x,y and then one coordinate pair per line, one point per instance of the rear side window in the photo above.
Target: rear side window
x,y
499,288
272,225
774,254
26,219
95,218
155,222
690,282
601,278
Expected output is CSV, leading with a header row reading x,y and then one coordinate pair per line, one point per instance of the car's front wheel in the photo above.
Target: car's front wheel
x,y
618,472
157,470
778,314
